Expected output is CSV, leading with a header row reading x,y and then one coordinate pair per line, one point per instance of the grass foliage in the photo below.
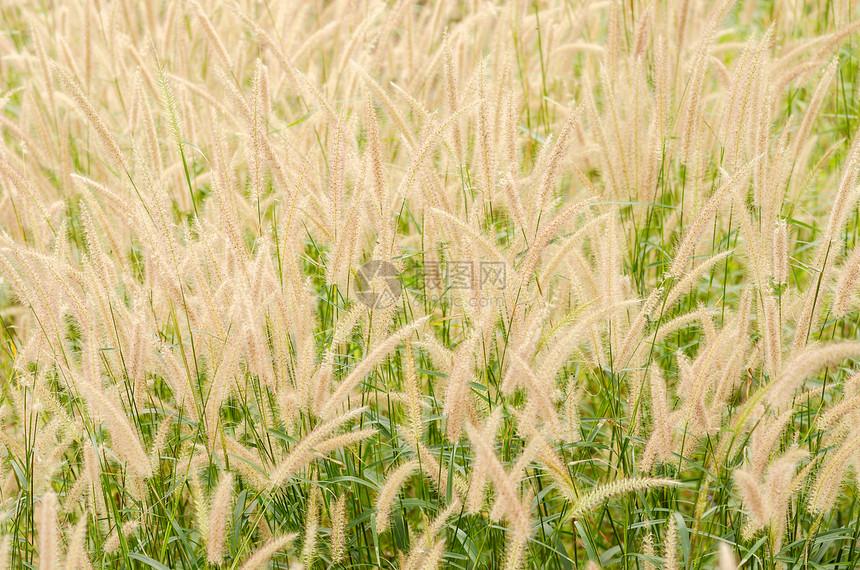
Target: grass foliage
x,y
609,319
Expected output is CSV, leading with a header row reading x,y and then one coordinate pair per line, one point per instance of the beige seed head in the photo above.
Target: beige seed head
x,y
49,545
779,264
219,517
338,530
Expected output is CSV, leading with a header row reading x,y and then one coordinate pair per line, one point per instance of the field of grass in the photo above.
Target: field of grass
x,y
461,284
